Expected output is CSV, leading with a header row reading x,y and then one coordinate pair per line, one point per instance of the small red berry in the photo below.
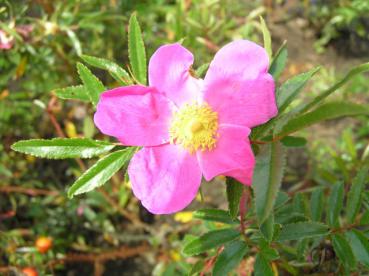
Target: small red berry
x,y
29,271
43,244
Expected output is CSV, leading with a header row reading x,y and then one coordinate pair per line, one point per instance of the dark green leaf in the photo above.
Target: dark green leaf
x,y
72,93
117,72
196,268
316,204
214,215
354,195
291,88
136,50
210,240
302,230
101,171
230,257
343,251
353,72
281,199
61,148
262,266
335,203
360,246
93,85
326,111
267,228
279,62
267,178
292,141
234,193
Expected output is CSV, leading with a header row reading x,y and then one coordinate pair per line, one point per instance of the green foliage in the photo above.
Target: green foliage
x,y
101,172
302,230
214,215
354,197
343,250
210,240
234,193
279,62
78,92
60,148
93,85
136,49
267,179
230,257
335,204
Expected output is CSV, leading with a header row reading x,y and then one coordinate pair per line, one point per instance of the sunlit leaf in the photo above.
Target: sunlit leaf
x,y
93,85
72,93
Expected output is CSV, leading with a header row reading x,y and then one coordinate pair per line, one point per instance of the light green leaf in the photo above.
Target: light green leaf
x,y
360,246
353,72
335,203
267,178
354,195
214,215
136,50
230,257
101,171
302,230
234,193
88,127
117,72
279,62
61,148
200,72
210,240
316,204
326,111
72,93
293,141
75,41
93,85
289,90
266,37
343,250
262,266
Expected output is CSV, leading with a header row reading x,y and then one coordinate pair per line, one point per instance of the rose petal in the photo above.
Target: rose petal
x,y
232,155
165,178
169,72
136,115
248,102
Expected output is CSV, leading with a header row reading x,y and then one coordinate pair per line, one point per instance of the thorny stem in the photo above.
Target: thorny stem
x,y
211,261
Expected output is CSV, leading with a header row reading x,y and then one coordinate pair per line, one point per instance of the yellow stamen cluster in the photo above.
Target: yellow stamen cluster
x,y
194,127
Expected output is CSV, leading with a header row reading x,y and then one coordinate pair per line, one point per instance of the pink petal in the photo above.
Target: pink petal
x,y
240,59
248,102
169,72
238,86
165,178
232,155
136,115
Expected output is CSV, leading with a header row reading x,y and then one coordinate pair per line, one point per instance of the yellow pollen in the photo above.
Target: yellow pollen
x,y
194,127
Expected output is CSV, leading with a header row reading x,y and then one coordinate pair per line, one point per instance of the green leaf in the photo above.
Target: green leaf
x,y
230,257
196,268
93,85
214,215
289,90
316,204
268,252
335,203
292,141
262,266
326,111
360,246
352,73
279,62
136,50
343,250
210,240
234,193
200,72
78,92
281,199
117,72
302,230
266,37
354,195
267,228
267,178
61,148
101,171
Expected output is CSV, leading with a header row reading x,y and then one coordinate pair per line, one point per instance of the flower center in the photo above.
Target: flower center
x,y
194,127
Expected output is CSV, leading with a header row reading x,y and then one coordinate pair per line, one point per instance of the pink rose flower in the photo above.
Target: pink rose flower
x,y
6,41
190,127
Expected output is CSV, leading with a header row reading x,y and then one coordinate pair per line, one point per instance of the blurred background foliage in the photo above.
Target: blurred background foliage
x,y
105,232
